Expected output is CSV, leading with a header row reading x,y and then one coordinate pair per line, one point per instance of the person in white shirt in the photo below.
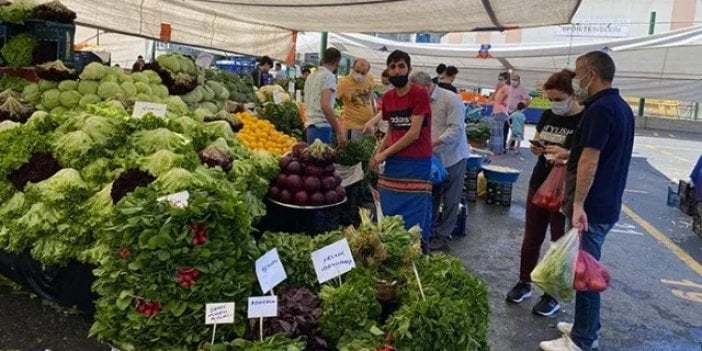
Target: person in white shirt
x,y
279,73
320,98
450,146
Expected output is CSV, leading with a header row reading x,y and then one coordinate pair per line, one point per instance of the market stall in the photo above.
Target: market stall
x,y
177,204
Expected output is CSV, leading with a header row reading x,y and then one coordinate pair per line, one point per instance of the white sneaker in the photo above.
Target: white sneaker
x,y
562,344
566,328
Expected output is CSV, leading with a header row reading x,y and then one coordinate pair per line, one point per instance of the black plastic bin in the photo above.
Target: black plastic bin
x,y
293,219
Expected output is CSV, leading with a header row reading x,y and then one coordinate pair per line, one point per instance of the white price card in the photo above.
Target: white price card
x,y
270,271
219,313
204,60
179,199
141,108
333,260
263,306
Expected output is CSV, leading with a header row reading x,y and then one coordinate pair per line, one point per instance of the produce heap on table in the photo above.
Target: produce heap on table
x,y
165,208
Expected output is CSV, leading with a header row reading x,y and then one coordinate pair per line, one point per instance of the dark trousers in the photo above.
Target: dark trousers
x,y
505,133
537,221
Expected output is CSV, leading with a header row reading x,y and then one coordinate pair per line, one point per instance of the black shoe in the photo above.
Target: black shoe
x,y
547,306
519,293
438,243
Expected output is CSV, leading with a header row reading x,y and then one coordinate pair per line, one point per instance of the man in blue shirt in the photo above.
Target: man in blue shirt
x,y
597,173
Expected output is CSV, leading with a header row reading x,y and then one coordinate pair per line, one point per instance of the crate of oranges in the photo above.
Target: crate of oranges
x,y
261,134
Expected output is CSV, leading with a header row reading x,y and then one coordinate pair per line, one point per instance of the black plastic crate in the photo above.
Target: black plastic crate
x,y
55,41
684,192
499,194
280,218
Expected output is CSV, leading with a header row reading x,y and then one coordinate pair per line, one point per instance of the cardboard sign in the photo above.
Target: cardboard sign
x,y
141,108
204,60
269,270
219,313
179,199
263,306
333,260
277,97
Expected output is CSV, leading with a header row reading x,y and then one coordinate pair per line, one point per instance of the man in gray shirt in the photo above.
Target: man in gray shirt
x,y
450,146
320,98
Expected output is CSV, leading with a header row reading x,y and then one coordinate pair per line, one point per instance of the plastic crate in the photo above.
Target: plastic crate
x,y
470,185
673,198
280,218
697,225
55,41
499,194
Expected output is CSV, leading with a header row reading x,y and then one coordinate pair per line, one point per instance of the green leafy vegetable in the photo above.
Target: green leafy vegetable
x,y
18,50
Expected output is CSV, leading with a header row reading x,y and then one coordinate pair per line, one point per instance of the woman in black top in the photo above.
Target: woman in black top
x,y
555,132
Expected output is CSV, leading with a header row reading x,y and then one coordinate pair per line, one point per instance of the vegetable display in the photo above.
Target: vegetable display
x,y
261,134
54,11
240,88
307,177
285,116
18,50
17,12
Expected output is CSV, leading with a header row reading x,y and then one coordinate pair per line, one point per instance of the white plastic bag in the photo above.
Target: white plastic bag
x,y
556,271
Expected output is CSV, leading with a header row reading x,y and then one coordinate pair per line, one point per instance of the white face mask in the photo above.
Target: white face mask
x,y
580,92
358,77
562,108
515,83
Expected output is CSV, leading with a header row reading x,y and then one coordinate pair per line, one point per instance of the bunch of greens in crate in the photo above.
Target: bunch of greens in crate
x,y
478,131
273,343
357,151
455,314
295,251
349,307
285,116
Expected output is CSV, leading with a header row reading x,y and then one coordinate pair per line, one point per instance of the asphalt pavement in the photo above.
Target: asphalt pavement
x,y
654,304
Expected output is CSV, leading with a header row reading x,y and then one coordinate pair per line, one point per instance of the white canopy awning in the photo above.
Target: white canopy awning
x,y
258,27
657,66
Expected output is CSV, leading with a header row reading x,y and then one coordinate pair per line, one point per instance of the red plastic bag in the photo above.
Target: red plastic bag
x,y
590,274
551,193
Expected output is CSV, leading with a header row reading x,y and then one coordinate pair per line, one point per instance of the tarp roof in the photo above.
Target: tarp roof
x,y
657,66
258,27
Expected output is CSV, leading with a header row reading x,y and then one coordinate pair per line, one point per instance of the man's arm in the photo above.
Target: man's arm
x,y
328,110
406,140
454,118
587,167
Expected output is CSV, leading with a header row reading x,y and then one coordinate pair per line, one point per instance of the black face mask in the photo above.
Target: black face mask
x,y
399,81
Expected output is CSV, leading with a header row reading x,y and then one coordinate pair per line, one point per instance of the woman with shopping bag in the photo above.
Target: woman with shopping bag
x,y
552,142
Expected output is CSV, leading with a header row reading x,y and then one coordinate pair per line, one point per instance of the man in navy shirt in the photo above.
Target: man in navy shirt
x,y
597,172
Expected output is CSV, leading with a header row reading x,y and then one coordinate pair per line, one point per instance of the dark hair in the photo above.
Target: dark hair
x,y
306,70
504,75
521,106
331,56
440,69
451,71
397,56
561,81
140,57
601,63
278,64
385,73
265,60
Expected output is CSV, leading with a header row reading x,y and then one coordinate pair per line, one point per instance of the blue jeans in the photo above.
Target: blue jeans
x,y
323,133
587,304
